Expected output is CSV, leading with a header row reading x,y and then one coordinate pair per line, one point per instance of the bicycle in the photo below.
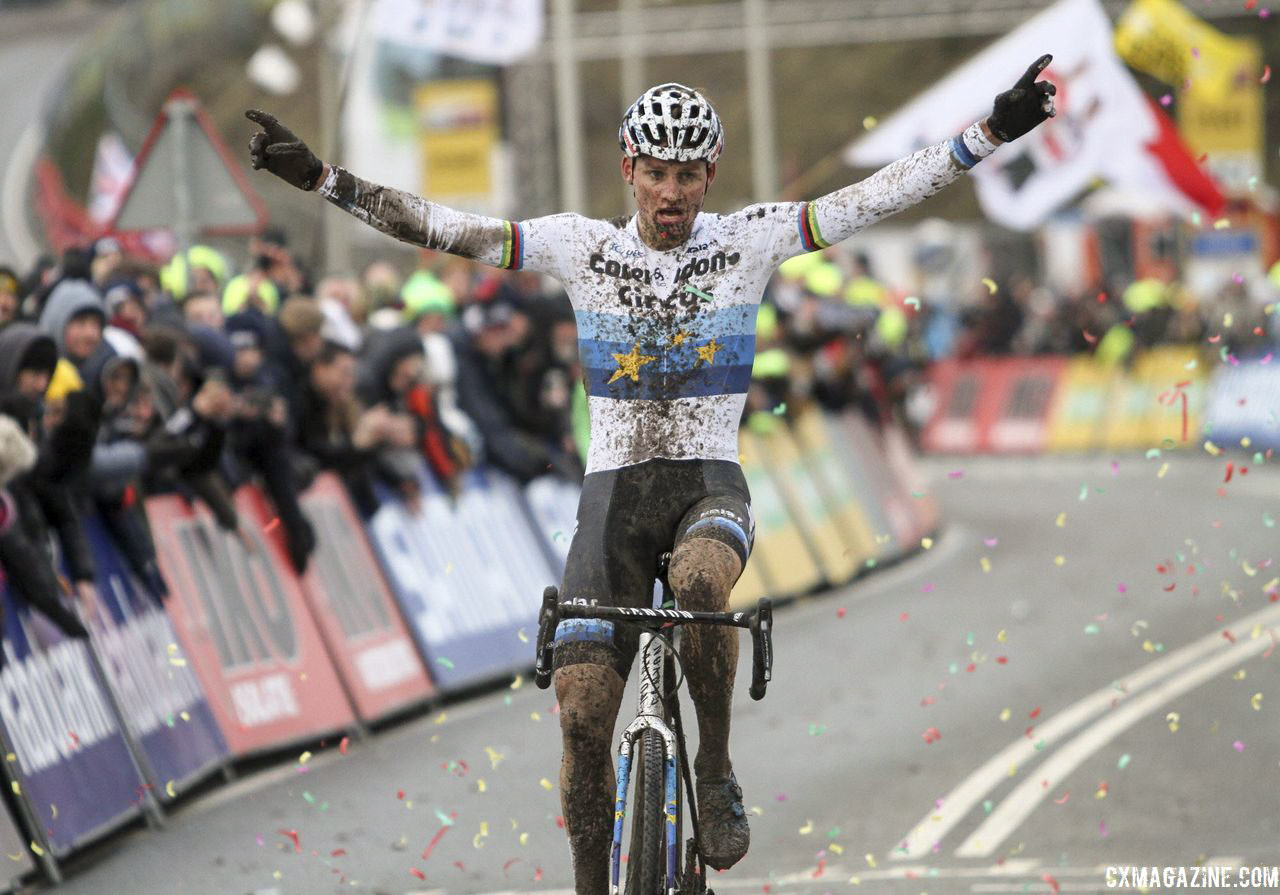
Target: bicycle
x,y
660,760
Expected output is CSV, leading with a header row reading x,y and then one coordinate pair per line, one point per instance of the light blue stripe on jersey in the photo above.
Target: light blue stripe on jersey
x,y
646,327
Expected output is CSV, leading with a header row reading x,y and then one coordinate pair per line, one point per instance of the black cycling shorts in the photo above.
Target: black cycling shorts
x,y
627,518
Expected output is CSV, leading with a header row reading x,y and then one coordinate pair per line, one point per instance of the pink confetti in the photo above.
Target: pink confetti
x,y
840,613
991,542
928,589
1102,827
1238,746
1266,75
1266,358
931,735
1115,468
956,474
1166,100
1122,587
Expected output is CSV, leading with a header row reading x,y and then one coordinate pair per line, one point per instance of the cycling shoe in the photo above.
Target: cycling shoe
x,y
722,822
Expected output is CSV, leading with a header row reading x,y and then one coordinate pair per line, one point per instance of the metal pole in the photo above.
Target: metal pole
x,y
180,112
764,148
631,67
573,190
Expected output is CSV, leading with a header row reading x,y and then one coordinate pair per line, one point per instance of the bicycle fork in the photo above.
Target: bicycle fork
x,y
652,653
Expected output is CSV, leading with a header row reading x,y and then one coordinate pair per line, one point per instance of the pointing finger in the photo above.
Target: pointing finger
x,y
265,119
1029,77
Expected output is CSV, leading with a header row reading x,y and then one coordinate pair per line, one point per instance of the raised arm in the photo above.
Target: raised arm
x,y
406,217
908,181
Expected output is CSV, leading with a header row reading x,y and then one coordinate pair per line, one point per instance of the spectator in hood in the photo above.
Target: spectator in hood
x,y
126,306
344,437
10,296
106,257
21,563
45,495
392,379
74,316
481,341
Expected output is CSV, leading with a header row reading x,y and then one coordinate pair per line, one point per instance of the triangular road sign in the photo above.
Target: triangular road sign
x,y
184,178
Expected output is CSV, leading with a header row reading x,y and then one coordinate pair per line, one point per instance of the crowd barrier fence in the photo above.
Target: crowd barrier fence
x,y
1019,405
246,657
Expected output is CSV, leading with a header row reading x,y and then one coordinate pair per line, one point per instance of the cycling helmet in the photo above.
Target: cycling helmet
x,y
674,123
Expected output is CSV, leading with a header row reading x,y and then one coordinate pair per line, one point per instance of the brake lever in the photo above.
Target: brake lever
x,y
548,620
761,648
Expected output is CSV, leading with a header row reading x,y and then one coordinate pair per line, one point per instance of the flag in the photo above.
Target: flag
x,y
1105,126
496,32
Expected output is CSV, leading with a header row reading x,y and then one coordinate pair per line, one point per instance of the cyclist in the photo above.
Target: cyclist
x,y
666,303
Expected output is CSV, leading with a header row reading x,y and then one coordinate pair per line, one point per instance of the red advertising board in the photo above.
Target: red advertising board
x,y
956,426
349,599
1021,390
244,624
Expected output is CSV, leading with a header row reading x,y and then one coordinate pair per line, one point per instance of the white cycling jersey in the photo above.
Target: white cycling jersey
x,y
666,338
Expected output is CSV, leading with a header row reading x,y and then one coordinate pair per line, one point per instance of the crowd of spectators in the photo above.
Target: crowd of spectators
x,y
121,379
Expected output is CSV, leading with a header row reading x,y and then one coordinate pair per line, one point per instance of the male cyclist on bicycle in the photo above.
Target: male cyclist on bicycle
x,y
666,305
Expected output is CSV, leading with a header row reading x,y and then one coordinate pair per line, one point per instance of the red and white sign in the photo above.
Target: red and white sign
x,y
244,624
361,626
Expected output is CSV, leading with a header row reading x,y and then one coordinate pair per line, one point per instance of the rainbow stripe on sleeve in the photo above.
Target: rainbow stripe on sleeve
x,y
810,234
512,246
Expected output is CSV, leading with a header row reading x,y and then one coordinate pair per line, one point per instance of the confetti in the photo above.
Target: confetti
x,y
927,543
1238,746
931,735
807,828
1173,718
293,836
990,284
1166,100
545,783
447,663
1061,521
271,526
869,122
780,409
912,301
342,746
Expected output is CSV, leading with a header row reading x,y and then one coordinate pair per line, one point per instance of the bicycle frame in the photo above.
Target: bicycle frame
x,y
653,652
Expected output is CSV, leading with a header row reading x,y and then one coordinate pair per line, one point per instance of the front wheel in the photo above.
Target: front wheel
x,y
647,861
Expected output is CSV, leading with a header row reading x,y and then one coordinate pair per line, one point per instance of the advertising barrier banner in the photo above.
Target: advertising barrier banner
x,y
357,616
955,427
780,547
468,573
72,765
1244,402
865,455
837,485
552,503
831,547
1079,412
163,705
243,622
1023,391
900,455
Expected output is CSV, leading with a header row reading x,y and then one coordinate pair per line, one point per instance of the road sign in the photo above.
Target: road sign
x,y
185,179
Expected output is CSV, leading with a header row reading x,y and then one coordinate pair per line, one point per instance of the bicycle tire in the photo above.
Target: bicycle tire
x,y
647,860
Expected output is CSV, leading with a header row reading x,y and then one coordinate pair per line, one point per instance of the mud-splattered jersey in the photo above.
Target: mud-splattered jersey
x,y
666,338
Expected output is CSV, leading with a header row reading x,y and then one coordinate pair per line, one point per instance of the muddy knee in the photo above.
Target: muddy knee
x,y
703,572
589,697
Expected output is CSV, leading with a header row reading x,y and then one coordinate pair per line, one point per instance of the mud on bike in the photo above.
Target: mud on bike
x,y
652,747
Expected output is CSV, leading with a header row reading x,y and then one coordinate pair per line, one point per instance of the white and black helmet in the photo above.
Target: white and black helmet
x,y
674,123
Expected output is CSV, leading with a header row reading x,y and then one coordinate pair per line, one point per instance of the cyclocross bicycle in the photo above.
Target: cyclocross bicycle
x,y
654,743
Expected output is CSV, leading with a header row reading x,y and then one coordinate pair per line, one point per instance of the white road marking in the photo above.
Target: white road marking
x,y
961,800
1013,810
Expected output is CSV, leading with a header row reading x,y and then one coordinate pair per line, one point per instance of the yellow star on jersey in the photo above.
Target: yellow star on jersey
x,y
630,364
708,351
679,338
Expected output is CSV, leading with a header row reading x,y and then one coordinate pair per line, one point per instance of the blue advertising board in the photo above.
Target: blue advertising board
x,y
72,765
163,705
1244,402
552,503
468,573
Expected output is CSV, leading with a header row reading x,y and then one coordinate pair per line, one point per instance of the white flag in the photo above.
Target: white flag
x,y
1104,128
497,32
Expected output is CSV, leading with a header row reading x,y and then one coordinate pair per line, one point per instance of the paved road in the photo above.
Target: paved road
x,y
1049,682
36,44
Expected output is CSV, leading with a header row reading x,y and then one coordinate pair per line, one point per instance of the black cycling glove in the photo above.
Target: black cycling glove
x,y
278,149
1020,109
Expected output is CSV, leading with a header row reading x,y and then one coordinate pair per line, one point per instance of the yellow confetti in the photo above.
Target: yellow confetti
x,y
1245,441
11,757
1164,468
53,808
871,860
17,857
495,757
169,790
276,874
807,828
480,784
869,122
1059,560
518,682
985,563
1173,718
441,717
545,783
17,790
1240,675
1270,585
36,848
535,716
1148,646
1061,521
855,880
180,663
1228,319
1013,770
1256,702
524,638
1248,569
304,758
926,543
1221,224
990,284
184,715
484,828
1212,448
836,847
1005,714
524,838
1002,635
